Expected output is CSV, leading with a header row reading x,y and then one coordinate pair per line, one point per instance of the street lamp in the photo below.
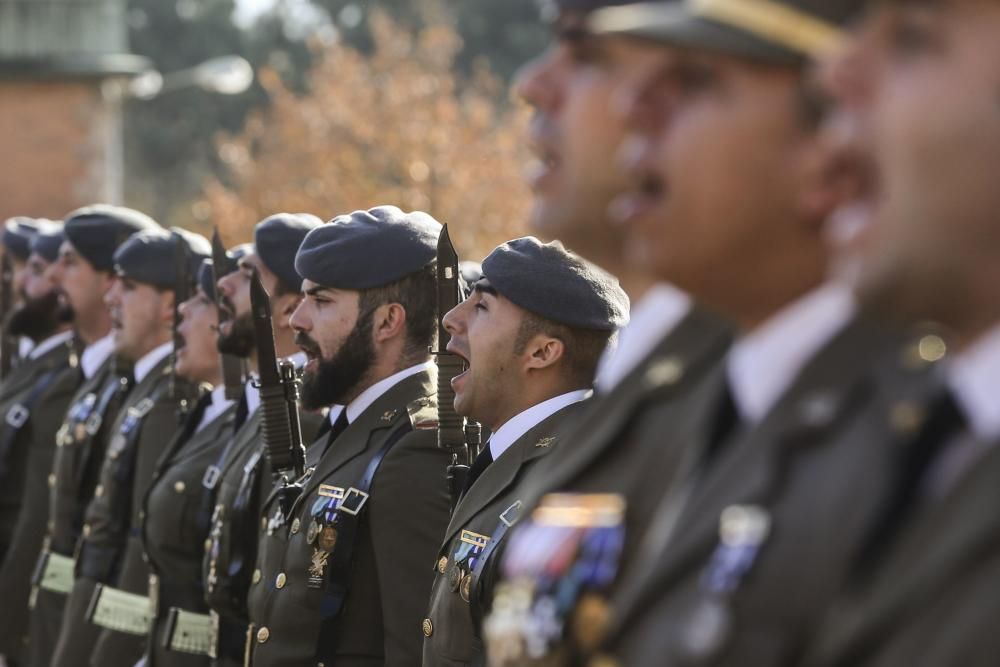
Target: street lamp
x,y
225,75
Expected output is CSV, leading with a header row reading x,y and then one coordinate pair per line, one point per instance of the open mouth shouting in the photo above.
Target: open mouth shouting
x,y
460,351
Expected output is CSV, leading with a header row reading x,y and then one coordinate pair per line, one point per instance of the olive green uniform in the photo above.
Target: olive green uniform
x,y
49,384
294,600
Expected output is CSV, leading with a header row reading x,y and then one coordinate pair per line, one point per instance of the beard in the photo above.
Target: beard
x,y
37,319
241,340
334,379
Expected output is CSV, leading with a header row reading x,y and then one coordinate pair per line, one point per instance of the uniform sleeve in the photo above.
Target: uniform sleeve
x,y
409,516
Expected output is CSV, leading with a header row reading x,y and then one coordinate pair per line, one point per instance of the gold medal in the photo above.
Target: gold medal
x,y
590,621
466,589
317,568
327,538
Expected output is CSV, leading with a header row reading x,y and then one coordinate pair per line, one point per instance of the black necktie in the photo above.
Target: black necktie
x,y
724,424
481,463
944,421
340,424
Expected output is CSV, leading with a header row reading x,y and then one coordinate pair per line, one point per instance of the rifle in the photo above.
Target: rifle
x,y
182,292
279,402
232,367
455,435
6,302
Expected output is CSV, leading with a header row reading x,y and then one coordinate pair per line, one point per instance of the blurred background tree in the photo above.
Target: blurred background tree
x,y
171,142
394,125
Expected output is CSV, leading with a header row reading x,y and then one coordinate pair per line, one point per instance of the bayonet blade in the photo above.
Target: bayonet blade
x,y
260,308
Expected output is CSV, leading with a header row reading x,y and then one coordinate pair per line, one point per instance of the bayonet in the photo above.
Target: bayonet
x,y
182,292
279,399
461,440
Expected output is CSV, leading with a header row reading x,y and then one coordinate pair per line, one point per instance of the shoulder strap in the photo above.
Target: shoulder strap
x,y
347,521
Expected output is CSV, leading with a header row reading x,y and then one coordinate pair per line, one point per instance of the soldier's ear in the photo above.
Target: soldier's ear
x,y
388,322
543,352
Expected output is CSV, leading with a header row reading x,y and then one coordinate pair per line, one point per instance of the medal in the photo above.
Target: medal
x,y
312,532
317,568
466,589
327,538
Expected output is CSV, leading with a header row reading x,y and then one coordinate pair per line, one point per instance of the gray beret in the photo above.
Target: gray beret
x,y
17,236
278,238
206,274
48,240
97,231
368,249
553,283
148,257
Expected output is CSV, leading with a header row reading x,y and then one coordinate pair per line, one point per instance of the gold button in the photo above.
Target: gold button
x,y
932,348
443,564
262,635
256,576
279,581
427,627
86,530
295,526
664,372
99,491
179,486
52,480
263,523
208,545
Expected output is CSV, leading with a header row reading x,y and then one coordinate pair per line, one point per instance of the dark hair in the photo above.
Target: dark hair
x,y
583,347
417,294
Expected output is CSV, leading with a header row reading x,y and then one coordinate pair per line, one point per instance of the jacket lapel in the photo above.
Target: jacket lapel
x,y
749,470
380,417
940,543
503,472
697,341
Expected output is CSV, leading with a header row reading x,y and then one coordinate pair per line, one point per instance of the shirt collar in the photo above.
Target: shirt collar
x,y
150,359
334,413
49,343
218,405
659,310
972,376
763,364
517,426
95,354
356,407
24,346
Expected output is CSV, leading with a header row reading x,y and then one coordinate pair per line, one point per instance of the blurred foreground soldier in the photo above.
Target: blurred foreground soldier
x,y
176,522
111,577
15,246
343,577
239,480
574,134
920,79
35,398
85,273
531,355
734,565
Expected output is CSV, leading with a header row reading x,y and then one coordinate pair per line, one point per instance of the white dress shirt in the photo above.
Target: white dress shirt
x,y
764,363
96,354
518,425
356,407
218,405
655,315
151,358
24,347
49,343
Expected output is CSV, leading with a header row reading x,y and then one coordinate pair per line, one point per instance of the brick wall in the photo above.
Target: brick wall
x,y
60,147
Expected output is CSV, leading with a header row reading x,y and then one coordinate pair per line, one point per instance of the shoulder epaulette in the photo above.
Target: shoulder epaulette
x,y
423,414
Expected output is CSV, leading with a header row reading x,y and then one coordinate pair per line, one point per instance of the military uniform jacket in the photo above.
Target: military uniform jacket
x,y
17,390
400,532
624,454
80,445
111,550
36,438
176,526
934,597
765,535
458,596
231,549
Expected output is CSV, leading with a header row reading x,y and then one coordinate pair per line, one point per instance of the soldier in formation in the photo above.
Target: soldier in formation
x,y
781,455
